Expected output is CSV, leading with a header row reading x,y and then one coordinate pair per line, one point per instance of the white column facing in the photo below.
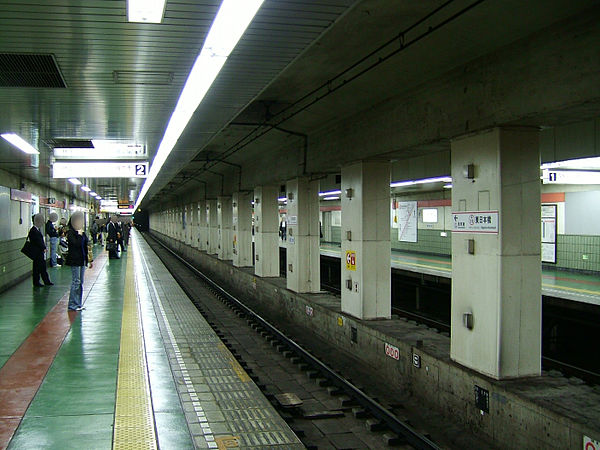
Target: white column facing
x,y
365,233
303,265
212,225
188,224
496,269
202,226
266,231
195,226
241,229
224,214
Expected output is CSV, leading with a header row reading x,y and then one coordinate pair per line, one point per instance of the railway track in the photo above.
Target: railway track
x,y
225,313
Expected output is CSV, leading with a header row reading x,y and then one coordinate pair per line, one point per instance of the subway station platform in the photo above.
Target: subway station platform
x,y
138,368
575,286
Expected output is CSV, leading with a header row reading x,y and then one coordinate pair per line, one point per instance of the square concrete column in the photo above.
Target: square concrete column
x,y
195,226
224,214
266,231
365,257
212,241
179,223
496,268
241,229
188,224
303,264
202,226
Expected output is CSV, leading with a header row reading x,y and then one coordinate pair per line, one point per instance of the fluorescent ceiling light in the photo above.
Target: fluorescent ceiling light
x,y
99,169
98,197
422,181
85,189
282,199
93,194
331,198
74,181
448,186
147,11
328,193
20,143
581,163
229,25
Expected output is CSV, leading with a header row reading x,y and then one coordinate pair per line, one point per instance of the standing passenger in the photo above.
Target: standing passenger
x,y
111,238
53,235
36,238
78,258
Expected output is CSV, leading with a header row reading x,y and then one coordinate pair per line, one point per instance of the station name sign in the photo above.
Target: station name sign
x,y
485,222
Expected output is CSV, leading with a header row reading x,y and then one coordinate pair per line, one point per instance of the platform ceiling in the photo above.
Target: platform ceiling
x,y
123,79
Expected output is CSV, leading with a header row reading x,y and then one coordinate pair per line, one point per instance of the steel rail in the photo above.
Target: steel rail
x,y
402,429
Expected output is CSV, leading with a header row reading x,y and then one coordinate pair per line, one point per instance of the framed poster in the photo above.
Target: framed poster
x,y
407,221
549,234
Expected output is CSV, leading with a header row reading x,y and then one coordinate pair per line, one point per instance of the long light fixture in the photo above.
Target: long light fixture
x,y
333,197
20,143
93,194
329,193
146,11
85,189
592,163
229,25
421,181
74,181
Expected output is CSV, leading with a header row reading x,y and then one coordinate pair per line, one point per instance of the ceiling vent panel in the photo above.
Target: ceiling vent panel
x,y
142,77
30,71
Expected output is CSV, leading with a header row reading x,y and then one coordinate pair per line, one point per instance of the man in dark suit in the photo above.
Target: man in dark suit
x,y
39,262
112,235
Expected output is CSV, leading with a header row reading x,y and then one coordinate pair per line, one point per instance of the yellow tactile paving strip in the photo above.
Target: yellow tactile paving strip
x,y
134,418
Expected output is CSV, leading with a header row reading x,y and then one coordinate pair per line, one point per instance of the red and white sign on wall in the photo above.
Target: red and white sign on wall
x,y
392,351
590,444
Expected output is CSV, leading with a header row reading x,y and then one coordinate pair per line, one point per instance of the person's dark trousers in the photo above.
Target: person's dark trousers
x,y
120,245
39,269
95,237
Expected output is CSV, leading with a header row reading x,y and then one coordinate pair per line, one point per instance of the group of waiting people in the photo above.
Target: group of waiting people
x,y
76,248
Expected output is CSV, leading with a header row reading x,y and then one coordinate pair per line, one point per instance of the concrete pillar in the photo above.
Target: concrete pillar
x,y
266,231
224,214
202,226
213,230
303,258
241,229
365,233
496,269
195,226
188,224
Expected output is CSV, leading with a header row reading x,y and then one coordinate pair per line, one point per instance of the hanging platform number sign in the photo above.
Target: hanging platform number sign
x,y
350,260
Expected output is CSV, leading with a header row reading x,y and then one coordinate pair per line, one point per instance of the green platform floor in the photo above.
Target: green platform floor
x,y
74,407
555,283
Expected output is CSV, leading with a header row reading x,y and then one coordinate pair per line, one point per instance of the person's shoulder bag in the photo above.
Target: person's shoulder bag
x,y
28,249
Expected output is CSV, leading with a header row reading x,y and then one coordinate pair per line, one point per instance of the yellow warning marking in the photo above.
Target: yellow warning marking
x,y
224,442
239,370
134,418
561,288
426,266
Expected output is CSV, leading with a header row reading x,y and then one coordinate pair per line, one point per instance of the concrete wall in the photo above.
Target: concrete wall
x,y
15,224
514,421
